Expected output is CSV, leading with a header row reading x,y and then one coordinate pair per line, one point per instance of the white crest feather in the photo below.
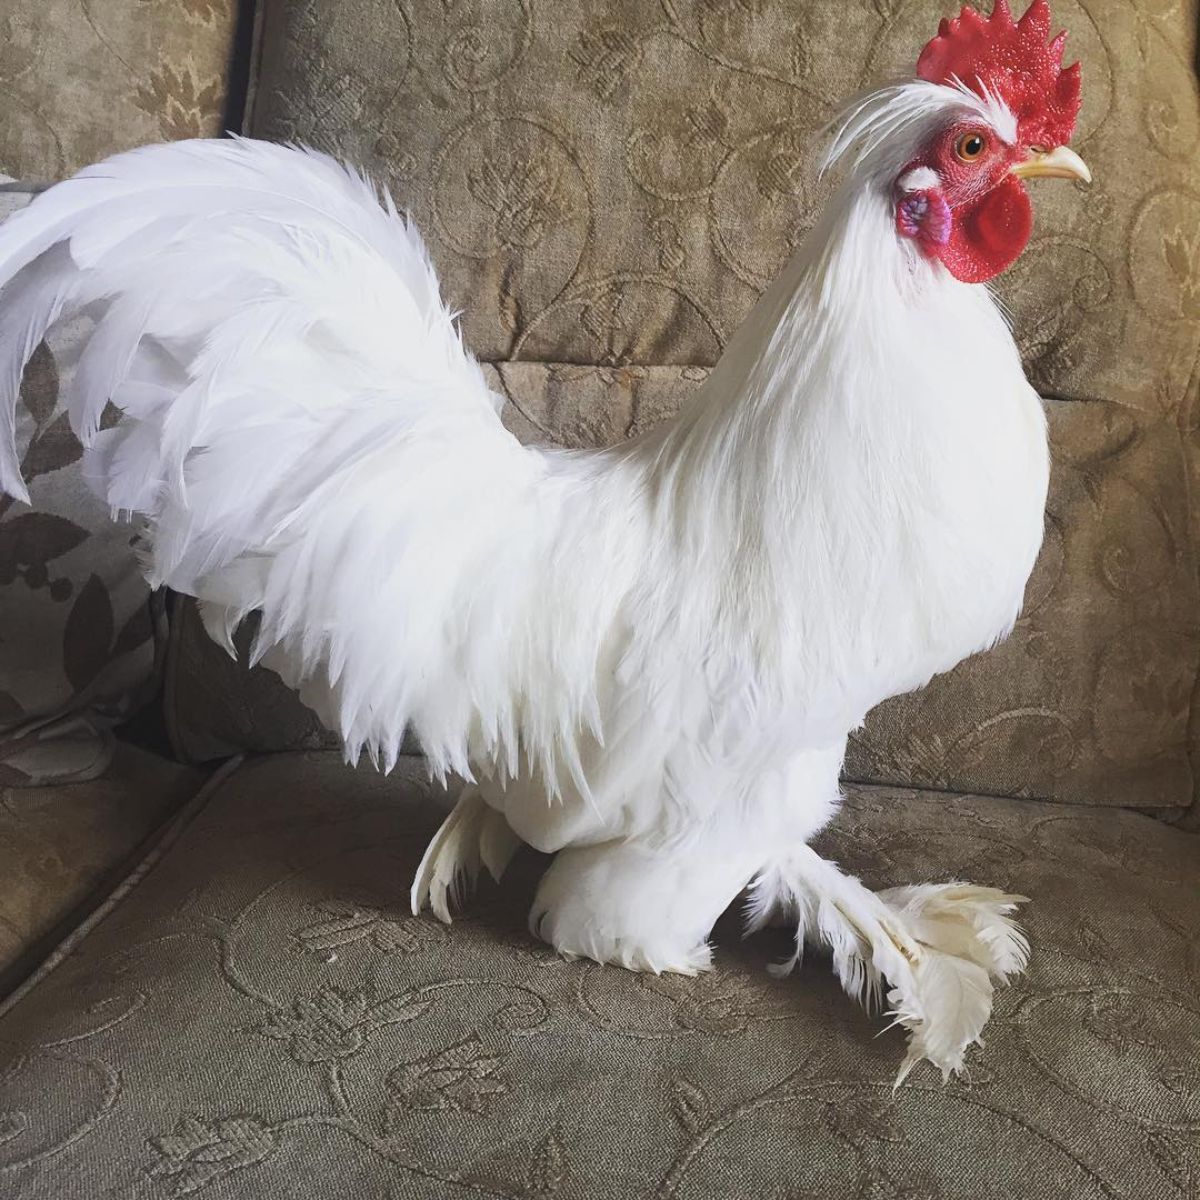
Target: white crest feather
x,y
879,131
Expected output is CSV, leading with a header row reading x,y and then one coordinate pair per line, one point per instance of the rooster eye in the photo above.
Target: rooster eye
x,y
970,146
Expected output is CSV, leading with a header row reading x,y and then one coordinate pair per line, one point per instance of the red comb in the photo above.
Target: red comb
x,y
1016,60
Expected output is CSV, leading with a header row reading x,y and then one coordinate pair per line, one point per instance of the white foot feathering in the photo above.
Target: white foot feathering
x,y
472,835
632,903
941,948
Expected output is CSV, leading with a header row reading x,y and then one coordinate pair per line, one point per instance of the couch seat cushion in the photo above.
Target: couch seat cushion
x,y
64,845
260,1016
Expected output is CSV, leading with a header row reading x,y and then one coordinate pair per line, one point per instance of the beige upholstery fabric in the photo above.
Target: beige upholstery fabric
x,y
81,79
607,185
260,1017
1089,701
63,846
79,634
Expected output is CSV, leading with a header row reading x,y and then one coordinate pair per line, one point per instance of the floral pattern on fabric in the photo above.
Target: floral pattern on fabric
x,y
222,1032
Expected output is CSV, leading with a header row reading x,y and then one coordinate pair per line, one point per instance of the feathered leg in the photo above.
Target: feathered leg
x,y
473,834
639,906
940,947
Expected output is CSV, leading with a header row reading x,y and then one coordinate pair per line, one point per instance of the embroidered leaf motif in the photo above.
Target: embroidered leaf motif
x,y
1093,941
135,632
1179,250
707,123
525,195
800,59
1122,1025
397,1010
1182,253
33,540
338,931
54,448
690,1106
405,935
460,1078
326,1027
724,1012
1181,1076
509,310
87,634
39,386
604,58
670,244
185,106
548,1165
196,1152
776,177
348,923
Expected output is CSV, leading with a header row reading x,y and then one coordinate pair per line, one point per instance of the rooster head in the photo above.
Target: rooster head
x,y
962,196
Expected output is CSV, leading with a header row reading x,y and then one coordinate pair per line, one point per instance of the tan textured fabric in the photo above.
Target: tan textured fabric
x,y
1089,701
260,1016
81,79
62,847
79,633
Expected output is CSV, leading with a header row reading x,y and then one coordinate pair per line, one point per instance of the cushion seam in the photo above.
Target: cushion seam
x,y
254,67
1192,733
167,838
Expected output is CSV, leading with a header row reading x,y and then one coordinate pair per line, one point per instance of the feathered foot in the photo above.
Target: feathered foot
x,y
473,834
639,906
941,947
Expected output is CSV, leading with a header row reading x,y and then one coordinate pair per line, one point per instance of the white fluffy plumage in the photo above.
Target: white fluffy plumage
x,y
645,659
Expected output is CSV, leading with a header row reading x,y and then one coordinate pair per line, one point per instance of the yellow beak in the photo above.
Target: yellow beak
x,y
1060,163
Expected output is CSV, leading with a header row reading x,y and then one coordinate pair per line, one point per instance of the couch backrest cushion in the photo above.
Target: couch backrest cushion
x,y
617,183
606,189
82,80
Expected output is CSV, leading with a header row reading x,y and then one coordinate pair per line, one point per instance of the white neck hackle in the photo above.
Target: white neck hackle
x,y
846,290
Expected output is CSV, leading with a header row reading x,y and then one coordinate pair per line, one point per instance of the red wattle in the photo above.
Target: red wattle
x,y
987,235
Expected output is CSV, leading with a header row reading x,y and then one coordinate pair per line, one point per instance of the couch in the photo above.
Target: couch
x,y
213,983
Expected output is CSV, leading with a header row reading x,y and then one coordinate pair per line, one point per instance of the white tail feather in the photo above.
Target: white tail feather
x,y
32,305
307,437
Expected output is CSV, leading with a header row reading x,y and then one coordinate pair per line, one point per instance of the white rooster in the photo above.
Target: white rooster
x,y
644,659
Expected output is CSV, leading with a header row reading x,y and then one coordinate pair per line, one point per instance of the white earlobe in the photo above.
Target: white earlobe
x,y
919,179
